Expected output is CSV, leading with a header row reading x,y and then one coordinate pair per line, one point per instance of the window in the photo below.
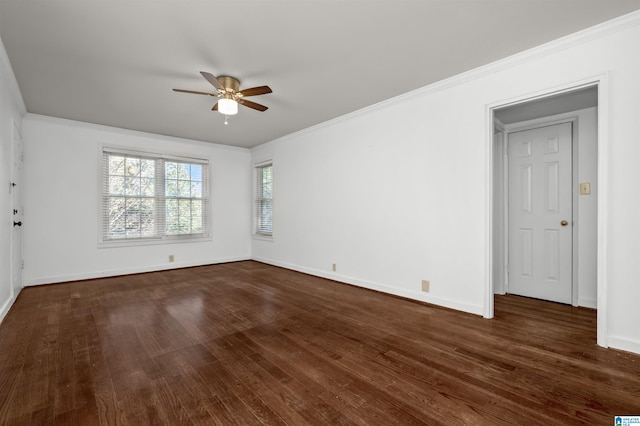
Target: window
x,y
153,197
264,199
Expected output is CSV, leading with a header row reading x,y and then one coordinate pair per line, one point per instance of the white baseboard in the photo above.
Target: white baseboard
x,y
127,271
447,303
624,344
588,303
6,306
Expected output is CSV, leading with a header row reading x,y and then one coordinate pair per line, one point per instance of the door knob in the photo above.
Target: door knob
x,y
17,223
564,223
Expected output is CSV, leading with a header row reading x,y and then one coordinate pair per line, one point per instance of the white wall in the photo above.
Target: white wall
x,y
399,192
390,196
11,111
61,203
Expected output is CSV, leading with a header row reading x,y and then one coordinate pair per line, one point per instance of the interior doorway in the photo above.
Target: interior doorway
x,y
16,200
579,107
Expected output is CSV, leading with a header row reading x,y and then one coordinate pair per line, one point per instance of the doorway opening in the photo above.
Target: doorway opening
x,y
567,249
16,197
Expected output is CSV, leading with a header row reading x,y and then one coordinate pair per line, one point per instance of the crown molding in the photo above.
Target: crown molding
x,y
622,23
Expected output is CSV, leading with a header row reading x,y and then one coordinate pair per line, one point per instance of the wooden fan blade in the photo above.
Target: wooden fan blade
x,y
255,91
252,105
194,92
212,79
215,107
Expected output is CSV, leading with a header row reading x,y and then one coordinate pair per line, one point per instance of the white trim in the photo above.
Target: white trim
x,y
505,210
575,208
601,81
588,302
111,149
6,306
501,144
414,295
263,163
16,131
545,93
17,141
131,242
128,271
567,117
488,307
624,344
152,137
603,210
261,237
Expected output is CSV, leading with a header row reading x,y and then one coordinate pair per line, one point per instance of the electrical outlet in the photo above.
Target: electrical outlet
x,y
425,286
171,258
333,267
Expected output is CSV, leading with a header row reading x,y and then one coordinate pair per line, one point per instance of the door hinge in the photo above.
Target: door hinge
x,y
22,264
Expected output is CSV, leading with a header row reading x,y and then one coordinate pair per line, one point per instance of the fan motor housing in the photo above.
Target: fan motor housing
x,y
229,83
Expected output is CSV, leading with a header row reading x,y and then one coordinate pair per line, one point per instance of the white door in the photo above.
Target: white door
x,y
540,213
16,190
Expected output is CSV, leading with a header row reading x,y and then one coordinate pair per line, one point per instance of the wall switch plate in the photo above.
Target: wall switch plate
x,y
333,267
585,188
171,258
425,285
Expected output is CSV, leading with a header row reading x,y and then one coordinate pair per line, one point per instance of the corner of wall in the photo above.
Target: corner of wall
x,y
6,71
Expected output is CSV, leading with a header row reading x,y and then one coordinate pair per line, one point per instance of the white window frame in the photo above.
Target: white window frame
x,y
161,236
258,198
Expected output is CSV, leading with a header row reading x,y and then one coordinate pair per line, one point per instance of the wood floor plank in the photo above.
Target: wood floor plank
x,y
344,385
293,393
396,374
246,343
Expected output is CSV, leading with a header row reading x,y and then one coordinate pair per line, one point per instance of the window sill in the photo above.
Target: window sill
x,y
263,237
151,242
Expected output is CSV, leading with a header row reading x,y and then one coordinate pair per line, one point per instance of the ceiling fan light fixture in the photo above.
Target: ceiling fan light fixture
x,y
227,106
229,93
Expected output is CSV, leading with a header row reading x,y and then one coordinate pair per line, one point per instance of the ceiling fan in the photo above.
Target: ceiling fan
x,y
228,90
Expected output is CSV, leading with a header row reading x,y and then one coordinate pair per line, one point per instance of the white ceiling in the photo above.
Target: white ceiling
x,y
115,62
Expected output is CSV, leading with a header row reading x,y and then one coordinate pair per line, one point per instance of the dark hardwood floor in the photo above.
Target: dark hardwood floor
x,y
247,343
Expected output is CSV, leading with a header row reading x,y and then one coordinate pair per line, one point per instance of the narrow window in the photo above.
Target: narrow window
x,y
264,199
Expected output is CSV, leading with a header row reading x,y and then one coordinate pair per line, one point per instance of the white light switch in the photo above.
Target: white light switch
x,y
585,188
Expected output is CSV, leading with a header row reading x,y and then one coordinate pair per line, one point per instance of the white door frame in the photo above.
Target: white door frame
x,y
601,82
16,143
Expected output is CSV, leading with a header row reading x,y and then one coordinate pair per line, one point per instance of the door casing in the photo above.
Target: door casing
x,y
601,82
17,203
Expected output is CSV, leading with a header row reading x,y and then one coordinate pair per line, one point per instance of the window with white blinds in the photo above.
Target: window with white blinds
x,y
264,199
149,196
